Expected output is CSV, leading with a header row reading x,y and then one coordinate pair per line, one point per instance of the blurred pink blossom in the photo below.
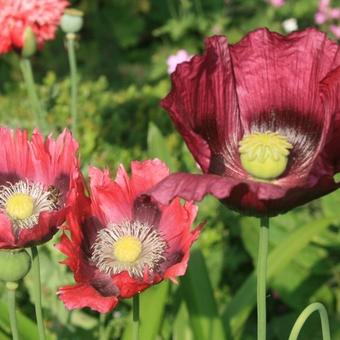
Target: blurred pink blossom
x,y
175,59
335,13
335,30
17,15
320,17
277,3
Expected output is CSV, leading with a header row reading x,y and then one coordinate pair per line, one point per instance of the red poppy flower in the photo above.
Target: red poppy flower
x,y
122,242
36,179
260,118
42,17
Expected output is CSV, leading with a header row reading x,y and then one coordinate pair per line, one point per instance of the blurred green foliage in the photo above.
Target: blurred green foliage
x,y
122,55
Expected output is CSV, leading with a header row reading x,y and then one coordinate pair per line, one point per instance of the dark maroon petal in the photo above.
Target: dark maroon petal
x,y
249,197
331,90
278,88
203,104
103,284
146,211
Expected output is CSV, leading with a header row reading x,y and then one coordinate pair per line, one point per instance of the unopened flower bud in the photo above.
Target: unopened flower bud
x,y
14,264
72,21
29,43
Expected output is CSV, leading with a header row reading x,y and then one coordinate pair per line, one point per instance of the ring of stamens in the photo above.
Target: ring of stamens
x,y
23,201
264,155
129,246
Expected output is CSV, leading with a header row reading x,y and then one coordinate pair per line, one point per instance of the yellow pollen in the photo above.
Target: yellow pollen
x,y
19,206
127,249
264,155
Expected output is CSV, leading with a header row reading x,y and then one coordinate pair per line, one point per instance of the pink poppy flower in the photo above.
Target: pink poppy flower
x,y
260,117
17,15
277,3
179,57
121,241
37,178
335,30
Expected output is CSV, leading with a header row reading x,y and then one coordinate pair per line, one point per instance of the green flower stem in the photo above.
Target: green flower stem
x,y
11,289
313,307
135,317
261,278
37,292
70,43
39,113
102,334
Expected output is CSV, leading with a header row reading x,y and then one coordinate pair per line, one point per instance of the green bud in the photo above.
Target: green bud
x,y
14,264
72,21
30,43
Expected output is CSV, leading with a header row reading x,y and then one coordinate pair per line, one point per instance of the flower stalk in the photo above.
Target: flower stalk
x,y
102,333
313,307
11,289
39,113
135,317
70,44
261,278
37,292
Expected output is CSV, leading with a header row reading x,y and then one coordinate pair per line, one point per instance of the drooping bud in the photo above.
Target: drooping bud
x,y
264,155
29,43
14,264
72,21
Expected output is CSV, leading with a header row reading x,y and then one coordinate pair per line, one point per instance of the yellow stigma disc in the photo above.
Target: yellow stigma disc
x,y
264,155
127,249
19,206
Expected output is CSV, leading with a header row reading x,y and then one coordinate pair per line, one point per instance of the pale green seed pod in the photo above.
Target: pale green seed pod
x,y
72,21
14,264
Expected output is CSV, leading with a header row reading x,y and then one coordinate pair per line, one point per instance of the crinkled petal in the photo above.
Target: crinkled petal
x,y
255,198
203,104
83,295
110,203
278,88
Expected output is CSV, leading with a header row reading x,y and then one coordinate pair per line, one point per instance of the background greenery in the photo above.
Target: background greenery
x,y
122,56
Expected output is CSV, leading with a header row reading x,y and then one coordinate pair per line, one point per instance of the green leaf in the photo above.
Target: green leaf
x,y
198,294
243,302
152,305
26,327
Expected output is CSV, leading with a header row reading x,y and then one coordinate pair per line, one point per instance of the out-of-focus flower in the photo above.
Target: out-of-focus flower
x,y
335,30
324,12
17,15
37,178
277,3
122,241
178,58
290,25
261,119
335,13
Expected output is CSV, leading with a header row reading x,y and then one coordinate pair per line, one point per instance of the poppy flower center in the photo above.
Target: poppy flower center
x,y
19,206
22,202
127,249
264,155
131,246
